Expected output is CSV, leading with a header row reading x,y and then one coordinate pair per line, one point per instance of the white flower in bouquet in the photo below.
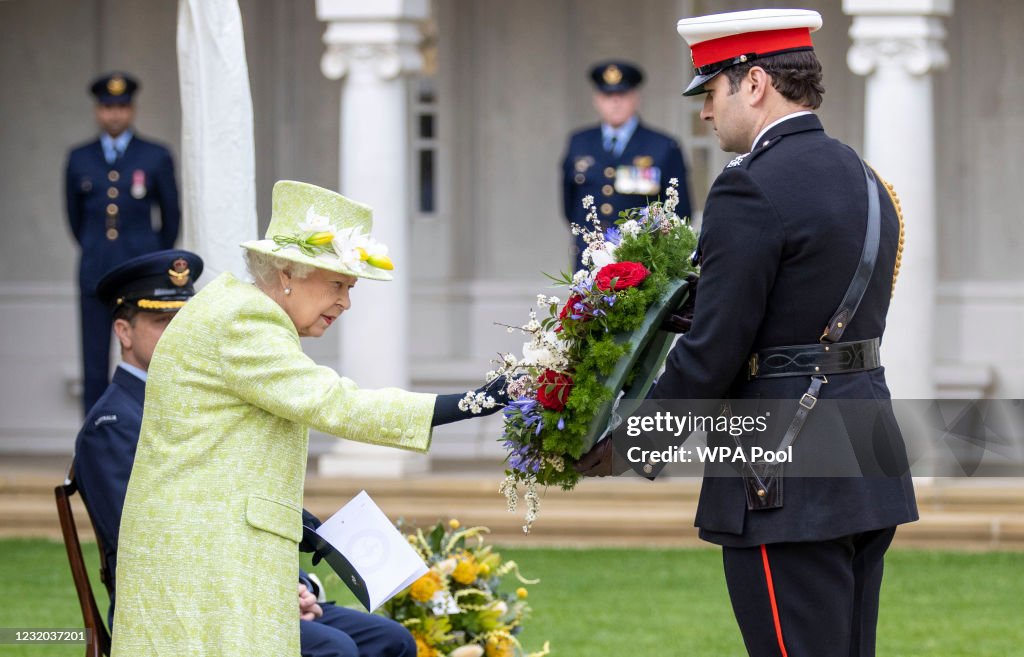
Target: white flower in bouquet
x,y
604,255
580,277
630,228
545,350
470,650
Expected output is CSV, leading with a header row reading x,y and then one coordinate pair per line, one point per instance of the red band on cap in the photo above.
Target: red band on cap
x,y
762,43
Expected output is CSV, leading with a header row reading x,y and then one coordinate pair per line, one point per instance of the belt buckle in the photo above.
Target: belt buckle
x,y
808,405
752,366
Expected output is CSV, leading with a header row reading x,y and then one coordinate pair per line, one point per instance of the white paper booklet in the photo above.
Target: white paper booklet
x,y
370,555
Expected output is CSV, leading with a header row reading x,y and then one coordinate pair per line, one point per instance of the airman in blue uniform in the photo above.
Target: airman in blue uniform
x,y
621,162
144,294
112,185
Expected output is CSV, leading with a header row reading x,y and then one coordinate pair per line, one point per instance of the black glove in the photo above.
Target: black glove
x,y
681,319
310,539
446,407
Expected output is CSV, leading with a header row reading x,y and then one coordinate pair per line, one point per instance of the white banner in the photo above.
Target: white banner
x,y
218,167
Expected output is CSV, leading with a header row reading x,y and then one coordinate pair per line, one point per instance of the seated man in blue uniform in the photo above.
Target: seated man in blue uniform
x,y
144,294
622,163
798,252
111,186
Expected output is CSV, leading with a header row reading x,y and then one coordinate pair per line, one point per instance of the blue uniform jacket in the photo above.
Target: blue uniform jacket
x,y
649,158
104,453
101,195
782,234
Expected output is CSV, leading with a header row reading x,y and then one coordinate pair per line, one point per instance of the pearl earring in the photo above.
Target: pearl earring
x,y
287,290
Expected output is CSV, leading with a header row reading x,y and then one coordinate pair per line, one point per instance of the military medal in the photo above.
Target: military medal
x,y
644,180
138,184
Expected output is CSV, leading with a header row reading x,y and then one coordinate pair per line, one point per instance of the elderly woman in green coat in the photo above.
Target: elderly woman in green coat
x,y
212,516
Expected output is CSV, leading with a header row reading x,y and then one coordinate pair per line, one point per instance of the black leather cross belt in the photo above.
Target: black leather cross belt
x,y
811,359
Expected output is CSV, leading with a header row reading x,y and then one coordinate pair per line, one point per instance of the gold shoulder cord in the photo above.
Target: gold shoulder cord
x,y
899,215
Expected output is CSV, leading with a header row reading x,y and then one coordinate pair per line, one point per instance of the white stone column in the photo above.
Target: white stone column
x,y
897,44
371,48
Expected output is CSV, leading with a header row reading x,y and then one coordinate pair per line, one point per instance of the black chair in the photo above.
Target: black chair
x,y
98,643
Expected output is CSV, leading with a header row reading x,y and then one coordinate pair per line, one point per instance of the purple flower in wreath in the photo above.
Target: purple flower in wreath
x,y
613,235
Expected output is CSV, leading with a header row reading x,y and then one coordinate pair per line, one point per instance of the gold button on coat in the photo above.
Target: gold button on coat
x,y
112,192
111,234
580,179
607,190
113,176
606,208
111,208
609,172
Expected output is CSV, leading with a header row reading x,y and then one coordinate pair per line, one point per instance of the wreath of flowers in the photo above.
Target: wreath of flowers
x,y
458,608
559,385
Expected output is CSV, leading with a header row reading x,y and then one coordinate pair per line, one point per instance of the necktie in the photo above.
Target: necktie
x,y
610,143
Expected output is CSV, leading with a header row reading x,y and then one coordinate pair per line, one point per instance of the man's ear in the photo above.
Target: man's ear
x,y
759,81
123,331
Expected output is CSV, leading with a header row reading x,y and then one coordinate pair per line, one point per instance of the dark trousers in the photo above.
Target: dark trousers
x,y
96,323
343,632
808,599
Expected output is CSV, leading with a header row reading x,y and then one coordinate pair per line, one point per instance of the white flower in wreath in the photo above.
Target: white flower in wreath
x,y
603,255
315,223
630,228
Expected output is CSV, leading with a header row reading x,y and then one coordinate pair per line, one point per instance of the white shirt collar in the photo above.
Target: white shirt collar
x,y
775,123
135,371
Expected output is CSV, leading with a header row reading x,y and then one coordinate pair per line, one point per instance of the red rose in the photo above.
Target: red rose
x,y
625,274
553,389
568,308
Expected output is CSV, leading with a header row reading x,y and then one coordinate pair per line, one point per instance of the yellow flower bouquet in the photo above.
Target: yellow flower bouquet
x,y
457,609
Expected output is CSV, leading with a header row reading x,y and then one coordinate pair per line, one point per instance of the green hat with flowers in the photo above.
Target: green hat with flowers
x,y
323,229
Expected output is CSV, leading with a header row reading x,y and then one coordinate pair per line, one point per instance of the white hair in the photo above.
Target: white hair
x,y
264,267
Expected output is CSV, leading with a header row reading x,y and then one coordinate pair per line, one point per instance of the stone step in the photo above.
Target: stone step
x,y
598,513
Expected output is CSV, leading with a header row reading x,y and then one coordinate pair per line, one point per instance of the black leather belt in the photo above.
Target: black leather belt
x,y
811,359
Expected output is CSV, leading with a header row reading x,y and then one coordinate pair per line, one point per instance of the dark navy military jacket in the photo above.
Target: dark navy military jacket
x,y
104,454
782,234
639,175
120,196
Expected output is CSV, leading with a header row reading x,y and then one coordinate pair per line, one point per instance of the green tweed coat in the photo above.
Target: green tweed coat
x,y
207,555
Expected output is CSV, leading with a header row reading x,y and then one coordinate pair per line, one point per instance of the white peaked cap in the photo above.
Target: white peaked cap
x,y
718,41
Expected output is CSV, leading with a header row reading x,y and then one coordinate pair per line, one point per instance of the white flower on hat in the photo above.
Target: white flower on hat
x,y
357,251
315,222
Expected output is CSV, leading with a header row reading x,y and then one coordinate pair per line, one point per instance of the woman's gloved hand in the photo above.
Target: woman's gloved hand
x,y
455,407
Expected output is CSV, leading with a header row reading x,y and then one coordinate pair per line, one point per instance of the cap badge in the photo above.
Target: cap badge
x,y
116,86
179,272
612,75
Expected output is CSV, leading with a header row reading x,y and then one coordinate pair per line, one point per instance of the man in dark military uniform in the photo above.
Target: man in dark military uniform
x,y
621,162
796,232
112,185
145,294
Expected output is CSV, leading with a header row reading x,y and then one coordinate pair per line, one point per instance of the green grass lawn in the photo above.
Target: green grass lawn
x,y
626,603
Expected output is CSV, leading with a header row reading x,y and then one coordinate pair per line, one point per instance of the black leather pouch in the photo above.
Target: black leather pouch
x,y
763,491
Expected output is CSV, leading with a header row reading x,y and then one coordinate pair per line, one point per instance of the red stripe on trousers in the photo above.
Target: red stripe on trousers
x,y
771,597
